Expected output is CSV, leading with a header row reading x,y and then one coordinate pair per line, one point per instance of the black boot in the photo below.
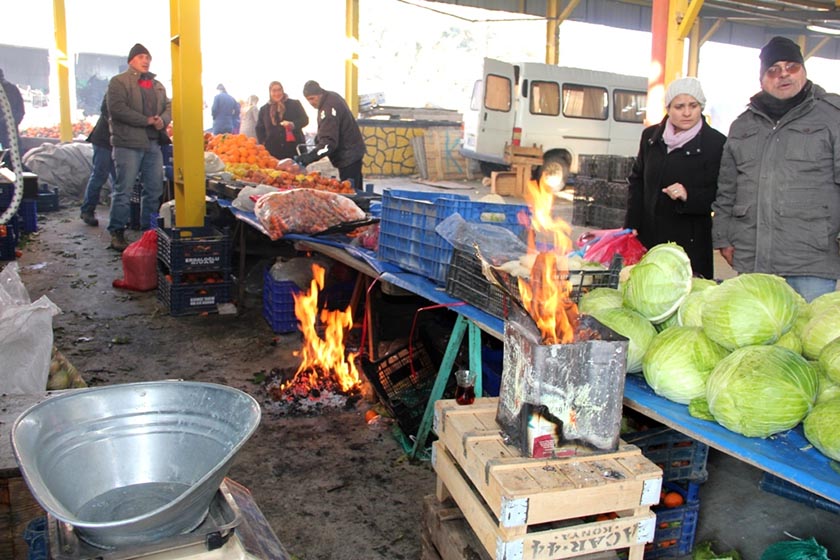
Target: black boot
x,y
89,218
118,241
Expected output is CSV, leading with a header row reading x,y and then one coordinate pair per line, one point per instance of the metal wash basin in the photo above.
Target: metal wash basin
x,y
129,464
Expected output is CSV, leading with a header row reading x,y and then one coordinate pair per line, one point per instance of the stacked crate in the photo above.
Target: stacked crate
x,y
683,463
194,271
587,503
601,191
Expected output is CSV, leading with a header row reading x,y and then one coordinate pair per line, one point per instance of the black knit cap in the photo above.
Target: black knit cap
x,y
137,49
312,88
779,48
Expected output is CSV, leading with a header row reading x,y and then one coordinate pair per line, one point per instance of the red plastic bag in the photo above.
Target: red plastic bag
x,y
621,241
140,264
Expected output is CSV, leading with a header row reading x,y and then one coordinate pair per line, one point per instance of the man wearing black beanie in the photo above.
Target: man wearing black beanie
x,y
777,209
139,113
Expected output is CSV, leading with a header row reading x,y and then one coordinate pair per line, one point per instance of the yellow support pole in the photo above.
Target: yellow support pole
x,y
674,55
694,50
187,118
63,70
552,33
351,63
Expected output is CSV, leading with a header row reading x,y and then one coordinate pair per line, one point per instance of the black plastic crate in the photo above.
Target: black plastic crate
x,y
194,297
594,166
604,217
465,281
194,249
403,382
9,234
679,456
620,168
781,487
48,198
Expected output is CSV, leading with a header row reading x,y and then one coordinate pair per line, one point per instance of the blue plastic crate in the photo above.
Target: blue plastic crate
x,y
407,235
675,527
491,370
9,235
28,212
192,298
47,198
781,487
279,303
6,190
679,456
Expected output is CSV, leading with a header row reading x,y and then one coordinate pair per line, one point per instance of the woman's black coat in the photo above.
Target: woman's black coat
x,y
273,137
653,214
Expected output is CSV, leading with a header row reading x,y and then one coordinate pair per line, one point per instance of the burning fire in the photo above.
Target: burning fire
x,y
323,356
546,294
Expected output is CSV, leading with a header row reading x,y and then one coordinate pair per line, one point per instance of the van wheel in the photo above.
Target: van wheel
x,y
554,173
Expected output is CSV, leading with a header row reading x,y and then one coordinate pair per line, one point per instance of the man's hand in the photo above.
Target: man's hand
x,y
304,159
727,253
155,121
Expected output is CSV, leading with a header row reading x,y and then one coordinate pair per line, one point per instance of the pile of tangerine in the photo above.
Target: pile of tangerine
x,y
238,148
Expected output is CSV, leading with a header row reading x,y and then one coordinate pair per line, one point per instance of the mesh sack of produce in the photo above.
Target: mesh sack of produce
x,y
304,211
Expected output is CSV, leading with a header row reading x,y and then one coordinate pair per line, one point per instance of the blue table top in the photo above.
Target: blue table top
x,y
787,455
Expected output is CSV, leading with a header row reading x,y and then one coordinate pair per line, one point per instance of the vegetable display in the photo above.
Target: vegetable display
x,y
821,428
630,324
659,283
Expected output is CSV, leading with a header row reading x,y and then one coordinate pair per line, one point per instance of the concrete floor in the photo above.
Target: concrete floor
x,y
734,511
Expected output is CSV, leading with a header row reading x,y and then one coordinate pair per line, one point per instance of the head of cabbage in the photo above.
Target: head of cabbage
x,y
749,309
659,283
822,328
821,430
638,330
758,391
678,362
599,298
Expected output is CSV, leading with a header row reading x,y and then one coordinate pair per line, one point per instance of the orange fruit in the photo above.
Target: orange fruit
x,y
673,499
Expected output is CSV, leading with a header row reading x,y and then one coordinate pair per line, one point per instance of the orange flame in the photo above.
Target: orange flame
x,y
324,356
546,294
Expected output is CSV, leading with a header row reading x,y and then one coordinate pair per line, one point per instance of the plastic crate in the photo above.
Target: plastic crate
x,y
9,235
675,527
594,166
465,281
279,303
6,190
194,298
194,249
620,167
781,487
679,456
403,389
48,198
604,217
28,212
407,235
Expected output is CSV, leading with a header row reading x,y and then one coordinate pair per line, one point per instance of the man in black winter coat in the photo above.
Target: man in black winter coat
x,y
338,138
103,166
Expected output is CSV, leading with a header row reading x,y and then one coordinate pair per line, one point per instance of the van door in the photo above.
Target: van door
x,y
496,113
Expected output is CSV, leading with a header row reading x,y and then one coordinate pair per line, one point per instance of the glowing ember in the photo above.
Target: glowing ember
x,y
323,356
546,294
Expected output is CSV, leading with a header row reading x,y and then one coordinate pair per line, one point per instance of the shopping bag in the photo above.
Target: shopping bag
x,y
140,264
623,242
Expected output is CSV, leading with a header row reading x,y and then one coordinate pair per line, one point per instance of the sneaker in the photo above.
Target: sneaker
x,y
118,241
90,219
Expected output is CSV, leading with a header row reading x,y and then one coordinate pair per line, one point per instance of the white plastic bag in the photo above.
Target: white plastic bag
x,y
26,336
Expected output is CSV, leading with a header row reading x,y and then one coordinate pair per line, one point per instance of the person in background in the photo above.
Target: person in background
x,y
103,165
250,114
778,203
674,179
338,137
139,113
225,112
18,111
280,123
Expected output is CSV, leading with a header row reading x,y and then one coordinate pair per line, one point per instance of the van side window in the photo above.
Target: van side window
x,y
629,106
585,102
545,98
497,93
475,99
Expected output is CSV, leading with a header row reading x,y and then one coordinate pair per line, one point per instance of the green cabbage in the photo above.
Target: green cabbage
x,y
790,341
830,359
827,389
672,321
690,312
659,283
678,361
638,330
599,298
820,330
700,284
758,391
822,428
823,302
749,309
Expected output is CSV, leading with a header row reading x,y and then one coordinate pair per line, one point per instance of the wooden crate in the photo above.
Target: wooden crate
x,y
530,155
17,509
541,509
503,183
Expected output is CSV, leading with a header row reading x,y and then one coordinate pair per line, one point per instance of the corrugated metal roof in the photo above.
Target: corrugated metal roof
x,y
747,23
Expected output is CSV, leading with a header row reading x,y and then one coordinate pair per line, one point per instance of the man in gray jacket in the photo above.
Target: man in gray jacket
x,y
139,113
778,200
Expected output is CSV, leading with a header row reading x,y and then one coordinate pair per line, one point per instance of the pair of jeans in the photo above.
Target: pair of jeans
x,y
103,167
811,287
130,162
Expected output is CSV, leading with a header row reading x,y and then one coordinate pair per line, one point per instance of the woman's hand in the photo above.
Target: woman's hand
x,y
676,192
287,124
727,253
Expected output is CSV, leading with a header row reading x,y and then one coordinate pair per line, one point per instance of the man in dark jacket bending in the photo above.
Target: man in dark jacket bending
x,y
338,138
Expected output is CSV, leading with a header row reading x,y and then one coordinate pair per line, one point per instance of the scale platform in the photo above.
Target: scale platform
x,y
234,529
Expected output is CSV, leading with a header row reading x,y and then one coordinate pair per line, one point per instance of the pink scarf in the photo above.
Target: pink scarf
x,y
678,138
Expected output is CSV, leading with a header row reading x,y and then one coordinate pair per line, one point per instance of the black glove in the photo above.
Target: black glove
x,y
305,159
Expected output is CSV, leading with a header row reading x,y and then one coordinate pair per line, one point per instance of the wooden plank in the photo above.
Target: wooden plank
x,y
449,531
17,509
629,531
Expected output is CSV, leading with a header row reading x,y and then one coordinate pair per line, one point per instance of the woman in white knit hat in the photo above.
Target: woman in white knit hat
x,y
674,179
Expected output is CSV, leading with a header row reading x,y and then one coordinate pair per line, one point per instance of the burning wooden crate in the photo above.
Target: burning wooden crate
x,y
541,509
555,394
